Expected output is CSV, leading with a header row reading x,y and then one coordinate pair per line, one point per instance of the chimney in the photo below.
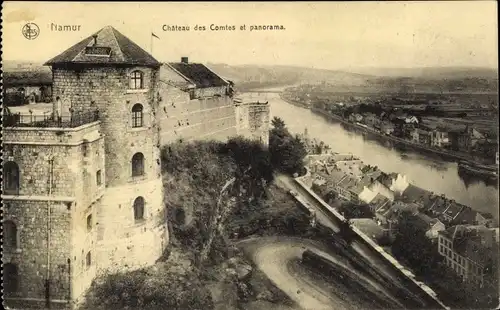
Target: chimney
x,y
184,60
95,39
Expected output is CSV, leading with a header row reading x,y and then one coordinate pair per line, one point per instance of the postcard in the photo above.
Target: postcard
x,y
250,155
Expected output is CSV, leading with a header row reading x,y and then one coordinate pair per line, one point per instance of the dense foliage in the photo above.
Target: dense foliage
x,y
155,288
287,151
412,245
205,182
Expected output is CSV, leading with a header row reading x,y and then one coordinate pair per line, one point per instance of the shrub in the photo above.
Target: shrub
x,y
149,289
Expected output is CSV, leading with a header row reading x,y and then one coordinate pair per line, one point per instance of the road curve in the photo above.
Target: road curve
x,y
274,255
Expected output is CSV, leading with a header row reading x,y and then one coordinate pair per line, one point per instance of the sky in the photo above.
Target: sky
x,y
329,35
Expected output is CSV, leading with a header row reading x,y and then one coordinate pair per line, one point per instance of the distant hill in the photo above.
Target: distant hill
x,y
432,72
367,79
14,65
251,74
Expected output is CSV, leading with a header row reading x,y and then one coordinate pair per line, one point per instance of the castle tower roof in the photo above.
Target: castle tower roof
x,y
106,46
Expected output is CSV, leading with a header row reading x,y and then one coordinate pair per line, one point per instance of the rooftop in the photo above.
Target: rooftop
x,y
198,74
469,241
379,201
453,209
467,216
106,46
414,193
437,205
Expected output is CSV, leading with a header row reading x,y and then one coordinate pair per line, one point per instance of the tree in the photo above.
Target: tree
x,y
208,180
278,123
287,151
412,244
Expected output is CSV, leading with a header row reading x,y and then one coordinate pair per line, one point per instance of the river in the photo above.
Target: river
x,y
428,172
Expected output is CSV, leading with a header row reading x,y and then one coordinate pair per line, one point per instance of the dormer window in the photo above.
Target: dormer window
x,y
136,80
99,51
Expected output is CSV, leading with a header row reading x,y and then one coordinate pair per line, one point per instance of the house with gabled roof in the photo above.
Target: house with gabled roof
x,y
452,211
431,226
201,82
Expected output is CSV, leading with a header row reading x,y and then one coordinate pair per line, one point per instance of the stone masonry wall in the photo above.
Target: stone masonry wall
x,y
69,160
124,243
107,89
181,118
74,183
115,241
210,91
89,131
259,121
254,121
32,221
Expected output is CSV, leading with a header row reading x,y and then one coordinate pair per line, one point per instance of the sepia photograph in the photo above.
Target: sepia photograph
x,y
334,155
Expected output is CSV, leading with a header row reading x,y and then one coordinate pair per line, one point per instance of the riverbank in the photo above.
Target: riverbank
x,y
446,155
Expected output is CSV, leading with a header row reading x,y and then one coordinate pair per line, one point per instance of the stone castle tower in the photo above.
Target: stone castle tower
x,y
113,75
82,184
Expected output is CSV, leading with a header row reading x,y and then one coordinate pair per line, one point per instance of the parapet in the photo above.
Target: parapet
x,y
44,129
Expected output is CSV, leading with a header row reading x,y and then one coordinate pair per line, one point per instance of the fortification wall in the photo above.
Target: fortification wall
x,y
107,88
182,118
124,242
117,239
43,245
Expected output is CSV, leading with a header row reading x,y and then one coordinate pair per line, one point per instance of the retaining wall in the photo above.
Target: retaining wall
x,y
426,293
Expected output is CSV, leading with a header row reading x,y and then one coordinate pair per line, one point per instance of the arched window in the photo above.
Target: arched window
x,y
139,208
137,119
88,259
11,178
137,164
11,278
136,80
10,235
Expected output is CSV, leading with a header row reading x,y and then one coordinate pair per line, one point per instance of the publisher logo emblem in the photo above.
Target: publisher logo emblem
x,y
31,31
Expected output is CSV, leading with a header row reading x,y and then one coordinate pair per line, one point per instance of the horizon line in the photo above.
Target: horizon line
x,y
40,63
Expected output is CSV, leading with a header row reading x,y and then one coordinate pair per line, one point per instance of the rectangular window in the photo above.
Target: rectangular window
x,y
98,177
136,80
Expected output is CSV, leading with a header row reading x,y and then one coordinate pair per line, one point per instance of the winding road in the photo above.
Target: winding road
x,y
278,258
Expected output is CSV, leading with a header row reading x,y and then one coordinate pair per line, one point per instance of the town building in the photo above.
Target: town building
x,y
421,136
371,119
410,119
387,128
355,117
470,251
465,139
82,186
439,138
431,226
27,87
